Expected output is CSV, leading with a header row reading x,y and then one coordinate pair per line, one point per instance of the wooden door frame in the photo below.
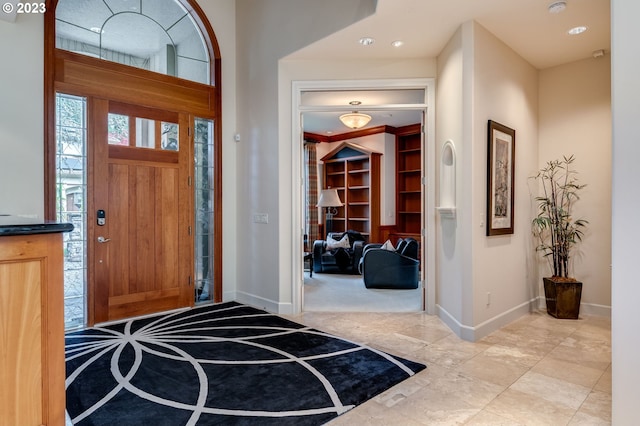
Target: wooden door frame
x,y
81,75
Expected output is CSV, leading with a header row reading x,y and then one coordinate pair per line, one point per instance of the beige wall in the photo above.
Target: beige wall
x,y
575,119
505,89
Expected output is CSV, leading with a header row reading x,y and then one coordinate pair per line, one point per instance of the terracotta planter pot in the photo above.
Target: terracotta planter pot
x,y
563,298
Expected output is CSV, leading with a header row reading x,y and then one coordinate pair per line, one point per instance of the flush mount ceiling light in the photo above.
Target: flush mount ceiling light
x,y
577,30
355,119
557,6
366,41
397,43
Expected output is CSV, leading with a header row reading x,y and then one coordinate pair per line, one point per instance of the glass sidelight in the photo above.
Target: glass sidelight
x,y
71,195
204,209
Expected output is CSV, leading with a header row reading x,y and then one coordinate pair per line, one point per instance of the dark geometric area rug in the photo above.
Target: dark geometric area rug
x,y
220,364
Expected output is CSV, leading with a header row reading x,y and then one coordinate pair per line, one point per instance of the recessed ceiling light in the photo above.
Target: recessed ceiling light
x,y
397,43
577,30
366,41
557,6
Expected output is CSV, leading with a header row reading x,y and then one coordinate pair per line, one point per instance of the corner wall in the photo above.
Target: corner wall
x,y
484,282
575,119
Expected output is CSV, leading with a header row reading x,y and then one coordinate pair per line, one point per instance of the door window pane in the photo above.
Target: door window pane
x,y
118,128
145,133
169,138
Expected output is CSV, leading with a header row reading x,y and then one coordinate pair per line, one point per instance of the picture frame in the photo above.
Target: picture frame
x,y
501,143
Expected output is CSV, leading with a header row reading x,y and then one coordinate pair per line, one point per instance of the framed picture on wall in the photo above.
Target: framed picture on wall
x,y
500,178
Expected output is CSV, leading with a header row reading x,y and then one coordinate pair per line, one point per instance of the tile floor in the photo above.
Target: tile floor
x,y
536,371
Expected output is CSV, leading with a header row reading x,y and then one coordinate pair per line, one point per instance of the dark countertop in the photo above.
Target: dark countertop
x,y
18,225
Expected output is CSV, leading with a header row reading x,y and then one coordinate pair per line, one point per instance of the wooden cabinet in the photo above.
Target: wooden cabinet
x,y
32,366
355,172
409,182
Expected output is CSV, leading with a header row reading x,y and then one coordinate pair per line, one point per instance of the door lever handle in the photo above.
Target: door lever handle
x,y
102,239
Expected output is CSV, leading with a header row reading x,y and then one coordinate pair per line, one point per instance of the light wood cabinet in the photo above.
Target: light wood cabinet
x,y
355,172
32,366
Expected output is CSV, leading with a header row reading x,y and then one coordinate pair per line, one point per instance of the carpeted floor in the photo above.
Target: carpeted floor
x,y
347,293
220,364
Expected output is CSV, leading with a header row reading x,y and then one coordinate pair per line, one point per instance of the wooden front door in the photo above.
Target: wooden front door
x,y
140,246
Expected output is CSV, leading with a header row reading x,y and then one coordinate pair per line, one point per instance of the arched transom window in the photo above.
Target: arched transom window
x,y
156,35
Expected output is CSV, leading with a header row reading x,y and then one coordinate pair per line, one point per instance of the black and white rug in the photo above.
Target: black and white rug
x,y
220,364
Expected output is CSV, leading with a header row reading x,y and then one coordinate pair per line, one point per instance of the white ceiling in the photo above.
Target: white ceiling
x,y
425,26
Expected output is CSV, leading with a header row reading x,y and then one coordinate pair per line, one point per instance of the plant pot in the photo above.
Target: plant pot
x,y
563,297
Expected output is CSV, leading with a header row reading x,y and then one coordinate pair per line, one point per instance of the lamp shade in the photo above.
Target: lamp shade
x,y
329,198
355,120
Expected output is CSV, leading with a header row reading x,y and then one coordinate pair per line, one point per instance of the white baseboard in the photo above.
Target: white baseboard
x,y
474,333
262,303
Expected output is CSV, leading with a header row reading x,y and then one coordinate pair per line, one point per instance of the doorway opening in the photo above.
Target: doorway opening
x,y
411,98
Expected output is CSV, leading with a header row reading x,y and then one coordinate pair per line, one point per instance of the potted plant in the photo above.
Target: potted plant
x,y
557,232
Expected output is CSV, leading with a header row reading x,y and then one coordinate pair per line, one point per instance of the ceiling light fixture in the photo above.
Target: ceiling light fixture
x,y
397,43
557,6
366,41
355,119
577,30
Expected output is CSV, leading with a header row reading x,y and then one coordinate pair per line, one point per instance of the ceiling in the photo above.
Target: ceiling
x,y
425,26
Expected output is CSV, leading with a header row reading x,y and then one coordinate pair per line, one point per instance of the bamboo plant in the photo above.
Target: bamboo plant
x,y
554,227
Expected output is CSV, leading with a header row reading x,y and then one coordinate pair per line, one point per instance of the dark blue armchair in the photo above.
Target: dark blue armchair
x,y
399,269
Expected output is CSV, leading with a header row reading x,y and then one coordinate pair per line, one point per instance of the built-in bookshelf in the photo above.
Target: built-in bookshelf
x,y
409,182
354,171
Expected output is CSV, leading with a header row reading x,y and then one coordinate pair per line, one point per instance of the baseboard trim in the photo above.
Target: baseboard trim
x,y
474,333
263,303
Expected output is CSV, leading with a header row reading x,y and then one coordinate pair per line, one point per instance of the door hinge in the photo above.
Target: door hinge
x,y
189,230
189,180
189,131
423,232
424,180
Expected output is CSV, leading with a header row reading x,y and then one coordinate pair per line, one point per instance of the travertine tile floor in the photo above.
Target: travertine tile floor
x,y
536,371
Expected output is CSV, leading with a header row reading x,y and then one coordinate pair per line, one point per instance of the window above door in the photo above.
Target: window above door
x,y
156,35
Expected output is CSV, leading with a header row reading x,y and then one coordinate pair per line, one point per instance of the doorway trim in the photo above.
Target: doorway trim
x,y
428,162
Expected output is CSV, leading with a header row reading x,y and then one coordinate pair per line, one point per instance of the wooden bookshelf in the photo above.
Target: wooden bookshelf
x,y
409,182
355,172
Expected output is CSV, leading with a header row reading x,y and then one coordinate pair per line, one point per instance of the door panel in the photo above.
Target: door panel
x,y
143,265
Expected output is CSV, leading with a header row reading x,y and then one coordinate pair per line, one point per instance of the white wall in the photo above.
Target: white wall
x,y
222,17
264,160
625,322
21,116
480,78
575,119
450,100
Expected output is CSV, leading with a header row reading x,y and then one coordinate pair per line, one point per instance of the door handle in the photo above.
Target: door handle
x,y
102,239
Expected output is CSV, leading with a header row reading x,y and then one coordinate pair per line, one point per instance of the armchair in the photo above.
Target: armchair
x,y
342,259
397,269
